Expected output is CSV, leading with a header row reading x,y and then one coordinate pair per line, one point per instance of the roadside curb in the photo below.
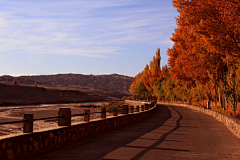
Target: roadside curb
x,y
231,123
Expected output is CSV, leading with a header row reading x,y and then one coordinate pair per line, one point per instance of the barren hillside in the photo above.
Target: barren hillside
x,y
104,85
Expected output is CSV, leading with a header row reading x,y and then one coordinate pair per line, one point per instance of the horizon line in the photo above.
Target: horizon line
x,y
22,75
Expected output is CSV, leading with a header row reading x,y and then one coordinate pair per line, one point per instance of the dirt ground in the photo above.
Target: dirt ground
x,y
40,111
26,95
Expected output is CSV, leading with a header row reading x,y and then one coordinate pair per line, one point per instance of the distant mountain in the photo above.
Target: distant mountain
x,y
105,85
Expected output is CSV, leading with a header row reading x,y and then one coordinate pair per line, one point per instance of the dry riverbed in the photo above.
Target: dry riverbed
x,y
41,111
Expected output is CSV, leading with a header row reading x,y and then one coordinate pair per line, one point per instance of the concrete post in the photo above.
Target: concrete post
x,y
145,106
142,107
125,109
87,114
115,111
28,126
152,104
137,108
103,114
66,119
131,109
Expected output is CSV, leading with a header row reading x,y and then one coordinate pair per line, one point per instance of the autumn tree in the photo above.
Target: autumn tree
x,y
206,46
165,85
143,83
137,87
152,73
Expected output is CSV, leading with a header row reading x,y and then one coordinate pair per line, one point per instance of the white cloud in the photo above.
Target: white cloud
x,y
167,42
84,28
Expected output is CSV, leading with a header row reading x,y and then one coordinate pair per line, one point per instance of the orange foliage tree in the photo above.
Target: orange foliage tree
x,y
143,83
206,49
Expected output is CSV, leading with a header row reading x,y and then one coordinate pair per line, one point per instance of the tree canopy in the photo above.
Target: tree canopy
x,y
204,60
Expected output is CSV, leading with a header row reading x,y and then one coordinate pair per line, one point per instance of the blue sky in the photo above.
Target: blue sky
x,y
42,37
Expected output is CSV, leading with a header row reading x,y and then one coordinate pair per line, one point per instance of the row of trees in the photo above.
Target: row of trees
x,y
204,61
143,85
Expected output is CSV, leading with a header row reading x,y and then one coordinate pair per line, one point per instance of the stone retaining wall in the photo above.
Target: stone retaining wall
x,y
28,145
231,123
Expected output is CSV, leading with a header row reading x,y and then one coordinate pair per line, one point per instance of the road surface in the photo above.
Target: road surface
x,y
173,132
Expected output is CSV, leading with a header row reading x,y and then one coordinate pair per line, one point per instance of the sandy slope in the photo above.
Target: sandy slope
x,y
15,95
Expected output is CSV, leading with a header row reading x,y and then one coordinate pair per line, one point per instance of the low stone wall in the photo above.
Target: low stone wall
x,y
28,145
231,123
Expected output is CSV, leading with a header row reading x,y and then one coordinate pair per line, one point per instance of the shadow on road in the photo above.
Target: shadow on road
x,y
113,144
162,138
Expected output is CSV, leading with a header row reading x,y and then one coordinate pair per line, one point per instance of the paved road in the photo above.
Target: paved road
x,y
172,133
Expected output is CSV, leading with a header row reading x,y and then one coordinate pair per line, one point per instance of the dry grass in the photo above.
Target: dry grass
x,y
109,105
